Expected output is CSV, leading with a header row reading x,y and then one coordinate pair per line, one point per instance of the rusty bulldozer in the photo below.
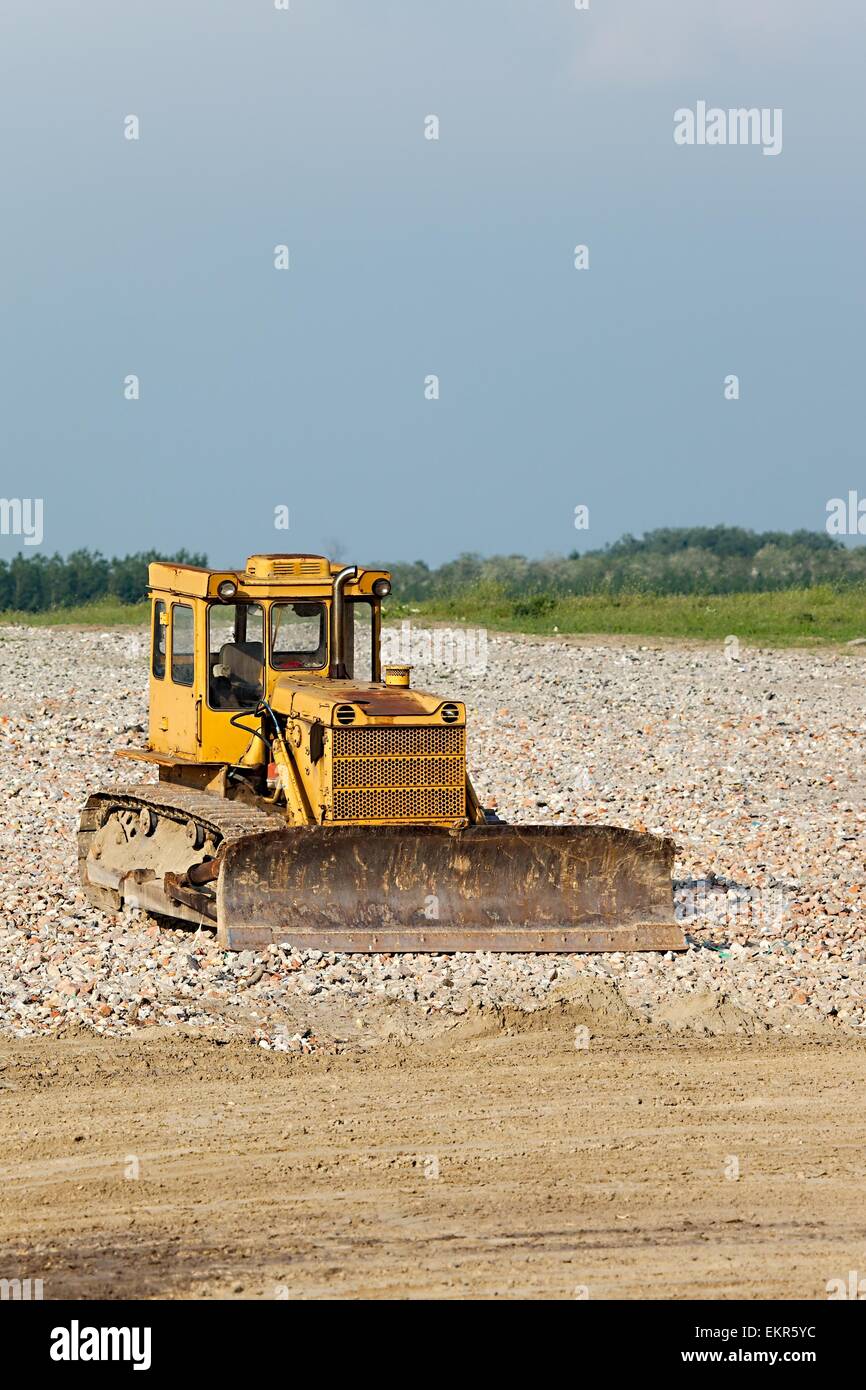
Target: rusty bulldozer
x,y
306,795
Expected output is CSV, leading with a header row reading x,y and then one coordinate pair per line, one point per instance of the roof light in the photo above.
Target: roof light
x,y
226,589
381,587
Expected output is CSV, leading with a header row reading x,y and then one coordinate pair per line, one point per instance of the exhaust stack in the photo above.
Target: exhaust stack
x,y
338,659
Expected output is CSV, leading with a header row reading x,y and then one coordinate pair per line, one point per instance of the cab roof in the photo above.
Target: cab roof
x,y
265,576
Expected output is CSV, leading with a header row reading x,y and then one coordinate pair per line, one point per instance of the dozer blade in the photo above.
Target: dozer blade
x,y
484,888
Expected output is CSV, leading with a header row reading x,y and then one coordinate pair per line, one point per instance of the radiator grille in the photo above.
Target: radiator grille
x,y
375,741
400,803
399,773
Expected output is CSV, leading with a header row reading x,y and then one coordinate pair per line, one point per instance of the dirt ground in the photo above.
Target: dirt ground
x,y
504,1159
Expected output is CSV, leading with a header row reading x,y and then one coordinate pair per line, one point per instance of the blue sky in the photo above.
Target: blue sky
x,y
412,257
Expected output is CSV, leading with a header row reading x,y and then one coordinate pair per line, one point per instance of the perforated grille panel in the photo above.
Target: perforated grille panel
x,y
376,742
399,773
399,803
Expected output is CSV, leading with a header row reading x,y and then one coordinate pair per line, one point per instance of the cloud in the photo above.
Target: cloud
x,y
654,41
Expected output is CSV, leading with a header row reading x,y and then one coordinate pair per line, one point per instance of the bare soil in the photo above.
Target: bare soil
x,y
497,1160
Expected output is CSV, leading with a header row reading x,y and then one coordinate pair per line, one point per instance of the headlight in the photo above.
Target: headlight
x,y
381,587
227,589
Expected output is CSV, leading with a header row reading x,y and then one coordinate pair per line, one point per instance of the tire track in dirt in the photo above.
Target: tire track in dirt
x,y
497,1161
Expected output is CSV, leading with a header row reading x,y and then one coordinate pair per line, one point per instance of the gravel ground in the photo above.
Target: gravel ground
x,y
753,765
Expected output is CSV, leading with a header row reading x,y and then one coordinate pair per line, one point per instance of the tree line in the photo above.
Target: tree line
x,y
35,583
670,560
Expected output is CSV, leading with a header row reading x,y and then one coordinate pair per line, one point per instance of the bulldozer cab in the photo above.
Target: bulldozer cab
x,y
220,641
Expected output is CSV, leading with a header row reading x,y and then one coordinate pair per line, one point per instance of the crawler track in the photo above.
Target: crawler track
x,y
217,823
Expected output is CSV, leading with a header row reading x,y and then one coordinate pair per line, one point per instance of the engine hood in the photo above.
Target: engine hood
x,y
372,701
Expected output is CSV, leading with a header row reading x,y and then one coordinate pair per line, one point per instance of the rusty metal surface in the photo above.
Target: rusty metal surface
x,y
493,888
375,699
390,700
652,937
198,874
177,890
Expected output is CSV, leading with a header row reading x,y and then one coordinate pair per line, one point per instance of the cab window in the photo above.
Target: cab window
x,y
160,629
299,636
360,663
182,644
236,655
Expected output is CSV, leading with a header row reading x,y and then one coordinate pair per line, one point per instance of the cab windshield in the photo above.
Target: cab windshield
x,y
236,651
299,636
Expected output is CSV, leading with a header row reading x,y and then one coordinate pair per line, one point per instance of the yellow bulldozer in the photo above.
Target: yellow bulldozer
x,y
307,796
